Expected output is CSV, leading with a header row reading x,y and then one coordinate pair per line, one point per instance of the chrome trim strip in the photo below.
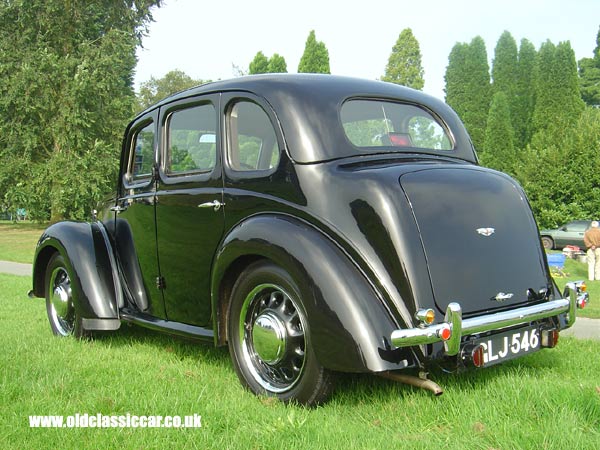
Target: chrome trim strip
x,y
420,336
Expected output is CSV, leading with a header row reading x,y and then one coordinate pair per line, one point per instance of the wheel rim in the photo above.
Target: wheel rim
x,y
272,338
62,312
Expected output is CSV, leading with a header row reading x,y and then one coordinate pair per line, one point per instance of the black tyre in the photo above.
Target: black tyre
x,y
547,242
60,301
269,338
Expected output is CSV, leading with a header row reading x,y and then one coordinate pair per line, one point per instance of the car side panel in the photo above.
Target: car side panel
x,y
85,249
349,324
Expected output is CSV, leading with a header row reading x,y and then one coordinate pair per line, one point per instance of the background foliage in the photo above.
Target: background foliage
x,y
65,97
537,126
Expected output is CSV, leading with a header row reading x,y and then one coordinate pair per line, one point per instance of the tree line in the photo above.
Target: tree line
x,y
67,94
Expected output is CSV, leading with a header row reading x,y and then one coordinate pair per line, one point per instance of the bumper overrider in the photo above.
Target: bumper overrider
x,y
454,327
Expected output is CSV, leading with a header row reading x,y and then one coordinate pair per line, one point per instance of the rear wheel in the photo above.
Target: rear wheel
x,y
269,338
60,302
547,242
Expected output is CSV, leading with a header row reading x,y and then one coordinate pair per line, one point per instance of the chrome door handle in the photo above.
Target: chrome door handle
x,y
215,205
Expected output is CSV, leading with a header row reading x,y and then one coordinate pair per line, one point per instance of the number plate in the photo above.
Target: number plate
x,y
509,345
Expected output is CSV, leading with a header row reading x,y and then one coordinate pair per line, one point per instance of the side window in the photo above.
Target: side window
x,y
191,140
577,226
252,143
142,152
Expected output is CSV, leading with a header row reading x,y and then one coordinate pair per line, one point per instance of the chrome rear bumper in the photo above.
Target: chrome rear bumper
x,y
455,327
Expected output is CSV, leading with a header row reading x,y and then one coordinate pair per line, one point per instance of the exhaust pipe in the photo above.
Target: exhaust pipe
x,y
420,381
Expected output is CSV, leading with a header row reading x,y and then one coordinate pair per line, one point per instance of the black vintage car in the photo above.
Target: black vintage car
x,y
314,224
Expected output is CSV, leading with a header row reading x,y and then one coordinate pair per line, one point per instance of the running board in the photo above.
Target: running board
x,y
180,329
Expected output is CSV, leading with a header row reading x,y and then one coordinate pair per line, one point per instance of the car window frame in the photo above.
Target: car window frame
x,y
127,178
228,100
194,175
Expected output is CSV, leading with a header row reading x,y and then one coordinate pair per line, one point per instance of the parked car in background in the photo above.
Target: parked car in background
x,y
313,224
569,234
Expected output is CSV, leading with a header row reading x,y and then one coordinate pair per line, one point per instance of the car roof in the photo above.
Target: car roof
x,y
307,106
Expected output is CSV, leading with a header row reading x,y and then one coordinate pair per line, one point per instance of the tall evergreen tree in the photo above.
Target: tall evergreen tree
x,y
277,64
315,58
65,97
455,78
505,71
589,72
404,64
504,68
558,100
522,111
260,64
498,150
468,87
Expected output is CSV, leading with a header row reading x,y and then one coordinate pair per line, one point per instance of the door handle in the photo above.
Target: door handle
x,y
215,205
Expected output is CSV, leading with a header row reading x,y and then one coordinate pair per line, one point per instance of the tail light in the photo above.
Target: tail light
x,y
549,338
474,355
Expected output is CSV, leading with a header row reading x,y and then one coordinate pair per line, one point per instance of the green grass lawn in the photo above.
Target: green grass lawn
x,y
548,400
18,240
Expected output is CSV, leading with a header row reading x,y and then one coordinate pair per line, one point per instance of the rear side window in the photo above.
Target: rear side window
x,y
377,124
252,142
191,140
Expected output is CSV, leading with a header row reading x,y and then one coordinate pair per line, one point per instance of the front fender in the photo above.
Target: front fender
x,y
350,325
85,248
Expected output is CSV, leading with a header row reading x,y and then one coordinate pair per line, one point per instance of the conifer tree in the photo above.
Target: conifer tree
x,y
277,64
522,111
468,87
499,151
315,58
558,100
404,64
260,64
504,68
589,72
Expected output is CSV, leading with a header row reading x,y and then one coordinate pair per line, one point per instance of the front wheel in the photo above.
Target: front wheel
x,y
269,338
60,302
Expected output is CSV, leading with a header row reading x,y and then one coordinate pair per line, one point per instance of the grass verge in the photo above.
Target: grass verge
x,y
18,240
548,400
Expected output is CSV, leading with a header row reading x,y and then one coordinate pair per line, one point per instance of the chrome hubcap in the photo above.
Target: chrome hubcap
x,y
269,338
62,312
272,337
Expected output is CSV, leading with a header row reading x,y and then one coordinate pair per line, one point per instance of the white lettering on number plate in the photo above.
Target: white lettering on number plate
x,y
509,346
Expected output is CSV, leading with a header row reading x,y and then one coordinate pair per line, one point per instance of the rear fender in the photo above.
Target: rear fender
x,y
89,259
350,325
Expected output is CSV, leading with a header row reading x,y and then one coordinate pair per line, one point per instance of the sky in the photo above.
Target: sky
x,y
205,39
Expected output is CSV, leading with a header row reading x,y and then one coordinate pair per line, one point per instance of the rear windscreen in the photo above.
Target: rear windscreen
x,y
389,126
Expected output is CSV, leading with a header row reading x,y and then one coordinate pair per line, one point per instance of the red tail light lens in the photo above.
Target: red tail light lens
x,y
445,333
477,356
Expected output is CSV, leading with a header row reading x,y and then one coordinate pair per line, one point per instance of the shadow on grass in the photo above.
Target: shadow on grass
x,y
362,388
181,347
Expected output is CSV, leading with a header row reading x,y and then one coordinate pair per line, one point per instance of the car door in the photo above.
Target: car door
x,y
189,206
135,227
